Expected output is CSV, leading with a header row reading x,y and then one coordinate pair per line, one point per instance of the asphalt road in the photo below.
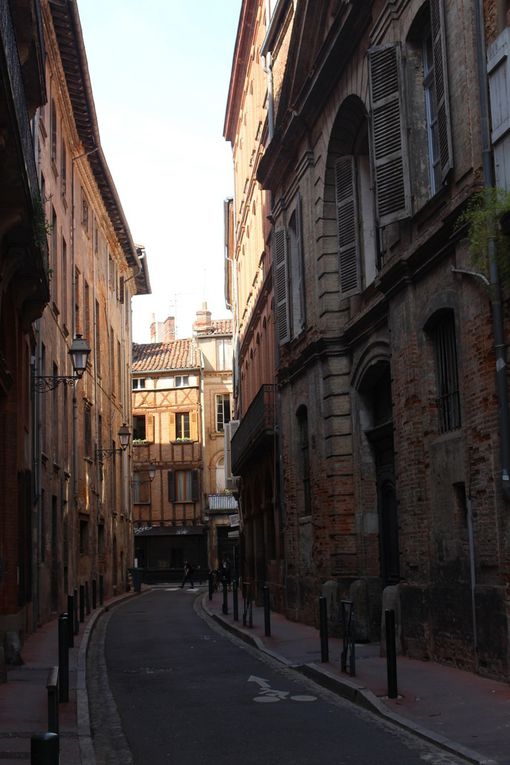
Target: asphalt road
x,y
167,685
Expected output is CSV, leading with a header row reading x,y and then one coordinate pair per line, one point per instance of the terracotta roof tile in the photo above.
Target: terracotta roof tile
x,y
159,357
222,326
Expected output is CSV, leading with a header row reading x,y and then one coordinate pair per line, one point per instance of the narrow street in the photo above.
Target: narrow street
x,y
166,685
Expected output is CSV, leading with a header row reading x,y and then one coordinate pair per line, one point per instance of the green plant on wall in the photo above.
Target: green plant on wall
x,y
481,217
42,227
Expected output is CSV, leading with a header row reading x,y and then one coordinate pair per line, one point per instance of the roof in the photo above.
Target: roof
x,y
67,27
165,357
222,326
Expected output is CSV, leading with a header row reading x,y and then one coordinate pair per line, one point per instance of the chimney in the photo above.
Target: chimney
x,y
168,330
154,329
203,321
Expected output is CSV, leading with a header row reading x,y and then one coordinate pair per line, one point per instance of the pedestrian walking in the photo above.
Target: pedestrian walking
x,y
188,574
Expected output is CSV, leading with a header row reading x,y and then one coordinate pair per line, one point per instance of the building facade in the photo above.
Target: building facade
x,y
24,291
82,529
249,271
394,434
214,340
168,448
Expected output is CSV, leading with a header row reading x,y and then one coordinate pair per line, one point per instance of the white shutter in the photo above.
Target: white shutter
x,y
348,224
437,16
498,65
281,283
389,134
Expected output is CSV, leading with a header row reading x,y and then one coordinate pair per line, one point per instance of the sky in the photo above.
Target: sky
x,y
160,72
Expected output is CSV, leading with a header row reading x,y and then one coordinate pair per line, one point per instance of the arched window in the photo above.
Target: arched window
x,y
304,459
441,331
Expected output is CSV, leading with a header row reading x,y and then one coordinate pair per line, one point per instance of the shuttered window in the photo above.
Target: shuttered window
x,y
437,17
296,265
183,486
348,225
389,134
279,248
182,428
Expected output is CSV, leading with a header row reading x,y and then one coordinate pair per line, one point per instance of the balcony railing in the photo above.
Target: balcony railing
x,y
256,425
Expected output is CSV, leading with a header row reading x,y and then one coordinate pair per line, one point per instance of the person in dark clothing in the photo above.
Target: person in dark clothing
x,y
188,574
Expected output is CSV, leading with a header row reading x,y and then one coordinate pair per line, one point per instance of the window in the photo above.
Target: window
x,y
100,539
84,211
97,337
141,487
84,537
224,353
63,169
63,282
53,133
139,429
304,459
222,411
138,383
54,256
181,381
182,426
431,113
87,427
442,334
183,486
296,270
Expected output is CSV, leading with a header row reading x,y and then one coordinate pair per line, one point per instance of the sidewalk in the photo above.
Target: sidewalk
x,y
24,700
461,712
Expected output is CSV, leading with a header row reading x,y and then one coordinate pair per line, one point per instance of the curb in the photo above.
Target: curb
x,y
353,692
87,752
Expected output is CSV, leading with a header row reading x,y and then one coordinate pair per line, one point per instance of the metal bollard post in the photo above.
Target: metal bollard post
x,y
63,658
44,749
101,589
323,620
391,654
235,600
82,603
87,598
70,621
224,607
94,594
267,612
76,618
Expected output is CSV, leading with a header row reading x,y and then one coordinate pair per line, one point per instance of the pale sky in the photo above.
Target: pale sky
x,y
160,72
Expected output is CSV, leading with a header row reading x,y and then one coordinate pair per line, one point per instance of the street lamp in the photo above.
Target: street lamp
x,y
124,438
79,353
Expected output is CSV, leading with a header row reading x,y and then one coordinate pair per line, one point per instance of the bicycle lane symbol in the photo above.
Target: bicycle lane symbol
x,y
268,695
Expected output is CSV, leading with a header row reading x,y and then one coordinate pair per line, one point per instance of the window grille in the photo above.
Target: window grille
x,y
448,399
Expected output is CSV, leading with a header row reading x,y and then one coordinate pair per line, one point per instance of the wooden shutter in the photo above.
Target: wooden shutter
x,y
149,428
281,282
195,486
389,134
301,263
193,426
437,17
348,225
171,486
171,426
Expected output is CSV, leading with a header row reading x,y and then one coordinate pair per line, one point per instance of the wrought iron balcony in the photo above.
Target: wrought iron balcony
x,y
254,428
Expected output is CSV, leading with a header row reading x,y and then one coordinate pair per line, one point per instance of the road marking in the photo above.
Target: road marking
x,y
268,695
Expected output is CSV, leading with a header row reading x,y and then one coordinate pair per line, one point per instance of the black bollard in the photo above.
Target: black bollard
x,y
82,603
211,585
70,620
235,600
63,658
323,621
101,589
87,598
267,612
94,594
76,615
391,654
224,607
44,749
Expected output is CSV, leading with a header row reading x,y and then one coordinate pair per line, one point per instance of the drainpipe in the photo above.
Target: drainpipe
x,y
495,291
